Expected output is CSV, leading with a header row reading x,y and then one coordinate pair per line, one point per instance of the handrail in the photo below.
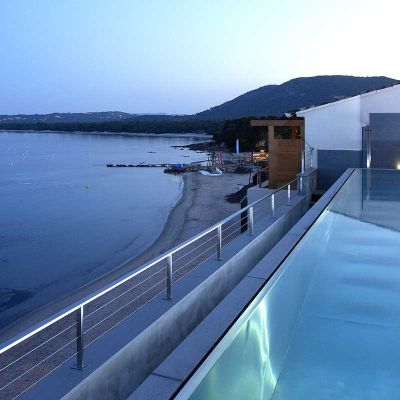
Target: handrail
x,y
78,306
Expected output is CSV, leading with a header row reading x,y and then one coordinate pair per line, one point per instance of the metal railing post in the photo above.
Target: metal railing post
x,y
219,243
169,277
303,161
273,205
79,338
289,202
368,147
250,217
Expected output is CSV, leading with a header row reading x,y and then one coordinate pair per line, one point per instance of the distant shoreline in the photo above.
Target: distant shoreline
x,y
108,133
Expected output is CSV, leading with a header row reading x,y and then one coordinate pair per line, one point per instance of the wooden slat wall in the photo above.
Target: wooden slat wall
x,y
284,154
284,160
277,122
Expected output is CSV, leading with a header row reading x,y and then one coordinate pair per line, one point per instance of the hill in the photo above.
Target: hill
x,y
295,94
271,100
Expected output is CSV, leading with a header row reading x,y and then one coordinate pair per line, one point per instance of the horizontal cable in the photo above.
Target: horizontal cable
x,y
119,309
230,241
183,266
87,345
126,291
191,251
262,213
45,375
178,279
226,237
36,365
40,345
123,319
240,220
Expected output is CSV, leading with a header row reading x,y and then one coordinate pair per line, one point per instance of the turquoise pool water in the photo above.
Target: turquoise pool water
x,y
327,325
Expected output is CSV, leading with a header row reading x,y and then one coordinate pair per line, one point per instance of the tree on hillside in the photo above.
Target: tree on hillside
x,y
240,129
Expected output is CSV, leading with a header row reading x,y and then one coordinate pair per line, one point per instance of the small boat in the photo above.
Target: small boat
x,y
214,172
175,169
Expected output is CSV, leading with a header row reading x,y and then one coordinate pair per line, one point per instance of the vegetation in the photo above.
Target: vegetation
x,y
239,129
135,125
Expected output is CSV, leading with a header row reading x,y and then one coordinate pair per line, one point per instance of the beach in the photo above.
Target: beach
x,y
201,205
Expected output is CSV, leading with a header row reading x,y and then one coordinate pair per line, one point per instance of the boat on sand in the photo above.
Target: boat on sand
x,y
214,172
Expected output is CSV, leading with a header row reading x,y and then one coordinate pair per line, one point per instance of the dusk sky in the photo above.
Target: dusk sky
x,y
181,56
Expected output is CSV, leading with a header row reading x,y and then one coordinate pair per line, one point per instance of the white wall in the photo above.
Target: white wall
x,y
382,101
338,126
334,126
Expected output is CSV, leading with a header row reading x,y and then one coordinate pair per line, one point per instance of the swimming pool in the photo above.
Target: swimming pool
x,y
327,324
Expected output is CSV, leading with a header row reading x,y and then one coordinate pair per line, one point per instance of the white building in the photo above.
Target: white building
x,y
334,131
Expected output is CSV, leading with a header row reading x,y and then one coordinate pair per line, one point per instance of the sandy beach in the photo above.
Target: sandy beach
x,y
201,205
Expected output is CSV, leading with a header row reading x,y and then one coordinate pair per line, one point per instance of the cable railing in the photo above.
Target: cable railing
x,y
32,355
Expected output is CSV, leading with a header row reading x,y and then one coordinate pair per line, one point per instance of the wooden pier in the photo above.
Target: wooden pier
x,y
141,165
169,168
176,168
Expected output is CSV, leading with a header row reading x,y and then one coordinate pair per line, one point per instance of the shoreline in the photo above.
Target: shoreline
x,y
191,135
201,204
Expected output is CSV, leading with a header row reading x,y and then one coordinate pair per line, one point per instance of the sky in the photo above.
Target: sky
x,y
182,56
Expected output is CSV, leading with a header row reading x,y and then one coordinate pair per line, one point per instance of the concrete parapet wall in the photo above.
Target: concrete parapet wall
x,y
127,369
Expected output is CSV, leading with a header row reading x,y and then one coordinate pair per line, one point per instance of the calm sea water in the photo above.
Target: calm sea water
x,y
66,219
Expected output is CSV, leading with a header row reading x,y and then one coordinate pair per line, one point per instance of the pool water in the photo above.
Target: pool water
x,y
327,325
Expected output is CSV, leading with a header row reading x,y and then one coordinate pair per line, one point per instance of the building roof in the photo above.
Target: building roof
x,y
368,93
277,122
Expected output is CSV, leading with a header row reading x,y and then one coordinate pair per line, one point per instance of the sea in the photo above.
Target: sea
x,y
66,219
